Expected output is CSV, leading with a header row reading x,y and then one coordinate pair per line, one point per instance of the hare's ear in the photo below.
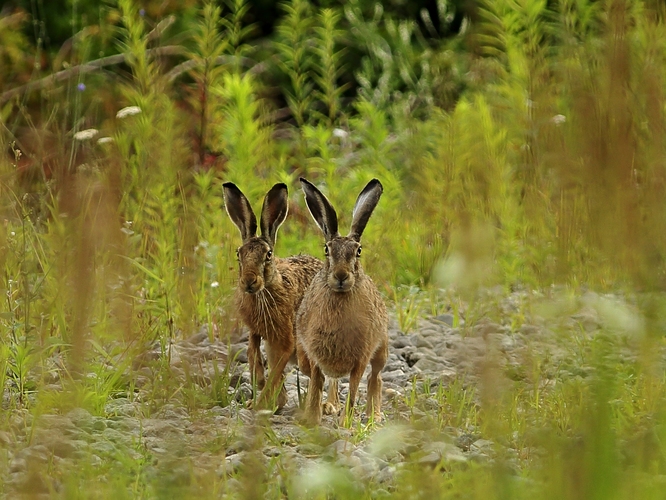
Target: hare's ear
x,y
239,210
321,209
365,205
274,211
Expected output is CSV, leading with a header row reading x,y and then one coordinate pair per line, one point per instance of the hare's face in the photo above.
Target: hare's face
x,y
342,261
256,265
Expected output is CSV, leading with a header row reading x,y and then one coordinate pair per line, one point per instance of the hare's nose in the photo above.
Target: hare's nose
x,y
341,276
251,286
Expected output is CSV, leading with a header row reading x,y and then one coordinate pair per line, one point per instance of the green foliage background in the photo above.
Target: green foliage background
x,y
521,143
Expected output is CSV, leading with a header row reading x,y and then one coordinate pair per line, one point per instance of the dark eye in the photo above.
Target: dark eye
x,y
325,249
358,252
269,255
237,252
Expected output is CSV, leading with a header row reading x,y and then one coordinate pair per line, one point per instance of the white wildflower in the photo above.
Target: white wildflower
x,y
338,132
558,119
214,284
104,140
128,111
85,135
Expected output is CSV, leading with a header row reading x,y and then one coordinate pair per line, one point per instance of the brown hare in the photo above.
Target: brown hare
x,y
342,323
269,289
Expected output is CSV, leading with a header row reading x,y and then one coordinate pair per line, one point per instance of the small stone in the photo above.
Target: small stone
x,y
485,328
160,428
394,375
244,392
464,441
65,448
115,436
421,342
34,484
588,319
445,318
402,341
349,461
384,476
245,416
272,451
37,453
232,463
99,424
5,438
481,445
340,446
309,449
81,418
428,364
432,458
529,330
129,424
121,407
18,465
198,338
239,353
103,448
391,393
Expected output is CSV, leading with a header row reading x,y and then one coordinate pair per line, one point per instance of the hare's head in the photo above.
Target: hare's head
x,y
342,252
255,255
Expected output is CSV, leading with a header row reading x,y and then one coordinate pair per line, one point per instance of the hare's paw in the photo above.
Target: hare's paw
x,y
329,408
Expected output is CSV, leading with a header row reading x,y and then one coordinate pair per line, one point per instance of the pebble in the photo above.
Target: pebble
x,y
447,319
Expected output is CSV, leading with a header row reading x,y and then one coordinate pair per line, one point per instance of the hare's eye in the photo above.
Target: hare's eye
x,y
237,252
269,255
325,249
358,252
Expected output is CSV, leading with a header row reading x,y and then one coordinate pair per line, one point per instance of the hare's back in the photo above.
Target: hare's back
x,y
297,272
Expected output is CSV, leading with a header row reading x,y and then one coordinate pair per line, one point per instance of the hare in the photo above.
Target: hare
x,y
269,289
342,323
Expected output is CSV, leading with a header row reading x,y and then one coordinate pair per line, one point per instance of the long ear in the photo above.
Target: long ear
x,y
274,211
321,209
239,210
365,205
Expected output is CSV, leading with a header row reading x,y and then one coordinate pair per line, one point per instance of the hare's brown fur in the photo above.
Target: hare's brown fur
x,y
269,315
269,290
342,323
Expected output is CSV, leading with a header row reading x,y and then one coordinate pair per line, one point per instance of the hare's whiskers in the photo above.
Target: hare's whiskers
x,y
271,296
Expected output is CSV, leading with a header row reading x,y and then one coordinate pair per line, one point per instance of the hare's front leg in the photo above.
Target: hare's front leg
x,y
354,381
373,408
278,353
332,404
313,407
256,362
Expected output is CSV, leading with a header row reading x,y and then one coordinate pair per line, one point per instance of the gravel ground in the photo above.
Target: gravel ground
x,y
178,447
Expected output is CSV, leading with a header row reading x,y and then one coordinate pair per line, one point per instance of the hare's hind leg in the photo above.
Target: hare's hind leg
x,y
313,406
373,407
332,404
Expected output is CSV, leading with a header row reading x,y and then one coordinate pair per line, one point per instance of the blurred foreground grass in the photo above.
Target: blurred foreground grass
x,y
547,173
